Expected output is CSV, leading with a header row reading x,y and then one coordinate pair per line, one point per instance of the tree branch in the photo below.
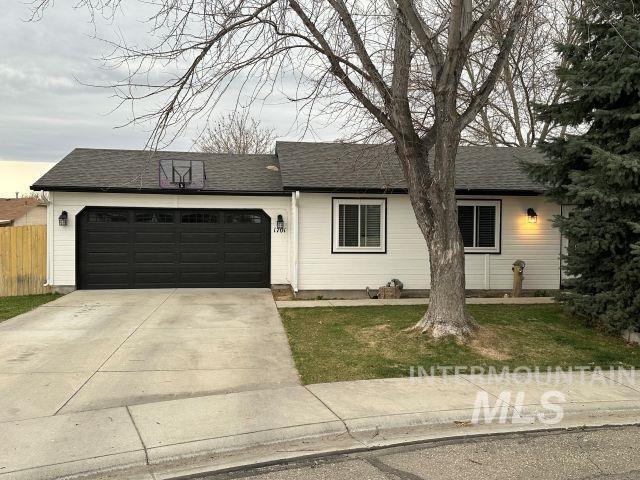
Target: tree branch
x,y
339,72
482,95
426,39
373,73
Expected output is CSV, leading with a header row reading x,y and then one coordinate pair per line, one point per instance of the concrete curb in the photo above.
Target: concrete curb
x,y
368,302
253,461
298,449
220,432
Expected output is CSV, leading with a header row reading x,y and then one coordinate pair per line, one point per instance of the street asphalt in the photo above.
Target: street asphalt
x,y
601,453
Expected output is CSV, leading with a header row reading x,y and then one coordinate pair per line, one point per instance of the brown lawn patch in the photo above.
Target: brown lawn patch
x,y
487,342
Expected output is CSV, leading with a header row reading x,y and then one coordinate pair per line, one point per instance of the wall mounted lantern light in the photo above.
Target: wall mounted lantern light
x,y
63,219
280,225
532,215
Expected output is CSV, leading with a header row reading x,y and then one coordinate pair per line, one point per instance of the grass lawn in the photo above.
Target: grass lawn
x,y
12,306
352,343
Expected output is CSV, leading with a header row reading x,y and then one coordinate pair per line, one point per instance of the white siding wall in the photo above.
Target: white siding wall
x,y
407,259
62,240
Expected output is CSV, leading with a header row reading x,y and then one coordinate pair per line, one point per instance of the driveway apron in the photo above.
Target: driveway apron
x,y
107,348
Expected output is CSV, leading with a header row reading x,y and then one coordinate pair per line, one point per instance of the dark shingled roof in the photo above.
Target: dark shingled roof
x,y
92,169
296,166
375,167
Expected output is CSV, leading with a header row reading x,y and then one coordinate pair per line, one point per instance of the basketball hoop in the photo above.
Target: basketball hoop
x,y
181,174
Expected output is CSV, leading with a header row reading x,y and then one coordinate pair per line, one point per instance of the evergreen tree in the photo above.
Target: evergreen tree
x,y
598,169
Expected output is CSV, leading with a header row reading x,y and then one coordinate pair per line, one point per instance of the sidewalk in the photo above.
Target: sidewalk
x,y
369,302
213,433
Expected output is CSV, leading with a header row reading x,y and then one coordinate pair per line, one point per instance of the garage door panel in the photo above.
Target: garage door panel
x,y
243,237
154,248
155,237
242,248
206,252
109,258
155,277
102,270
109,278
244,267
156,257
199,257
107,236
199,278
96,248
201,268
200,237
237,258
198,248
244,277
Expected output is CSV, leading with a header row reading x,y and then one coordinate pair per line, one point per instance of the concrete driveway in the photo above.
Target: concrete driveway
x,y
96,349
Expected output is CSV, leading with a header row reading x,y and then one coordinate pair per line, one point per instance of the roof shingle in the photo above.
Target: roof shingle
x,y
138,170
376,167
296,165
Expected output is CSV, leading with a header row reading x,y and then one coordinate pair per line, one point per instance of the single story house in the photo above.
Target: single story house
x,y
317,216
20,212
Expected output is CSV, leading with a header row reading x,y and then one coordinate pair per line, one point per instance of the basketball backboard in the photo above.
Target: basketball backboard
x,y
181,174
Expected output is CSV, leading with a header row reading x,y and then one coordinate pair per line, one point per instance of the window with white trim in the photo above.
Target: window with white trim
x,y
479,222
359,225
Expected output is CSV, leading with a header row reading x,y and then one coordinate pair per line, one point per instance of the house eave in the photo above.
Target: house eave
x,y
285,192
391,191
157,191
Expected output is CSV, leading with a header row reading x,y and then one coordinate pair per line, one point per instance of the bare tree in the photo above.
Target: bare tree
x,y
237,132
528,78
401,62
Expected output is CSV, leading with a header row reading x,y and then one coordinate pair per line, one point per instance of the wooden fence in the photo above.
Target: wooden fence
x,y
23,260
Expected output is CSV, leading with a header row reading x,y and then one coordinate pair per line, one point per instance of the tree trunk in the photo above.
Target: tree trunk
x,y
447,313
435,207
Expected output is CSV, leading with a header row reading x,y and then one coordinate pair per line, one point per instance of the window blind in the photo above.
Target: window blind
x,y
486,226
369,225
348,225
466,215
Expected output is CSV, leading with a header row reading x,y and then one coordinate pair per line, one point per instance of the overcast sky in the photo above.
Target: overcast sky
x,y
45,111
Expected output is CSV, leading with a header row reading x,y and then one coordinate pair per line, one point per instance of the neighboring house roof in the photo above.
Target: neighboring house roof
x,y
13,208
296,166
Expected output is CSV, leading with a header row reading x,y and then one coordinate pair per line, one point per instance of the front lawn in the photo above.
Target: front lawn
x,y
352,343
12,306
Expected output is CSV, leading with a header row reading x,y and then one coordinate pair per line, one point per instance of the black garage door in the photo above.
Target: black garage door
x,y
155,248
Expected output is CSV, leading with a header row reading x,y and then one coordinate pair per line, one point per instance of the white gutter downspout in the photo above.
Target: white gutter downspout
x,y
295,198
50,242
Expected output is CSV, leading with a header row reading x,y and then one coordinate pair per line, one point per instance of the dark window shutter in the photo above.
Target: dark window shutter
x,y
465,222
348,226
486,233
